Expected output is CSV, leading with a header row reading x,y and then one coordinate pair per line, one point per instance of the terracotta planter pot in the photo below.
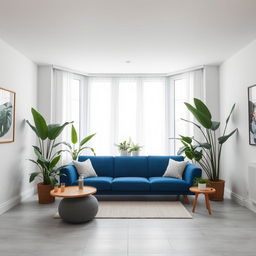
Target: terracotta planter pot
x,y
44,196
219,186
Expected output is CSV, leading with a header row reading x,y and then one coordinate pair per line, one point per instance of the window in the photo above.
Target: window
x,y
183,93
147,110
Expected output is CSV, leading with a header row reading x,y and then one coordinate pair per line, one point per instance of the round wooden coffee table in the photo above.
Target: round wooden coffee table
x,y
206,193
77,206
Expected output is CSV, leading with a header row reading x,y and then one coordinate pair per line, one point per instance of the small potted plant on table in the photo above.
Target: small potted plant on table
x,y
201,183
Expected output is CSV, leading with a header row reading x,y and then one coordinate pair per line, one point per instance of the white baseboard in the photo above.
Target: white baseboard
x,y
246,202
5,206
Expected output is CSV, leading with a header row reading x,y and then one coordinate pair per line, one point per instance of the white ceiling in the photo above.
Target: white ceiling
x,y
99,36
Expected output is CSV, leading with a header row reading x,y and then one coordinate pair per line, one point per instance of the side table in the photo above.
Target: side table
x,y
206,193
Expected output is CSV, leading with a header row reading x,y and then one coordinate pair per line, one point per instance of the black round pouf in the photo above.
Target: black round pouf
x,y
79,209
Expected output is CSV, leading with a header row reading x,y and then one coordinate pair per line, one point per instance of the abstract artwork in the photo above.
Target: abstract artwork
x,y
7,115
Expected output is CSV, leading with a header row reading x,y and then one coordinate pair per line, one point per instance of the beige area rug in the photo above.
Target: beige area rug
x,y
142,210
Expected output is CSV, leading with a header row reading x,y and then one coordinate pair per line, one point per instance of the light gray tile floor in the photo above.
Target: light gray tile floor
x,y
29,229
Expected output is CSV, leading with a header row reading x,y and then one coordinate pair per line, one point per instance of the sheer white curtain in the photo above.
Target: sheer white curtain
x,y
146,109
127,108
186,87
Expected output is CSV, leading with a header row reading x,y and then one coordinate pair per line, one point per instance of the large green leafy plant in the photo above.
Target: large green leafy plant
x,y
47,155
75,150
206,153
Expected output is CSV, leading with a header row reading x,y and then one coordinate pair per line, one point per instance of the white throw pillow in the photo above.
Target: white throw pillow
x,y
175,169
85,168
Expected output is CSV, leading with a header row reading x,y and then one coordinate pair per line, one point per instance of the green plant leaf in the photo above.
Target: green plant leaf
x,y
54,161
189,154
205,145
32,127
64,143
54,130
224,138
215,125
181,150
40,124
86,139
200,106
37,152
186,139
33,175
198,126
200,117
198,155
73,135
231,111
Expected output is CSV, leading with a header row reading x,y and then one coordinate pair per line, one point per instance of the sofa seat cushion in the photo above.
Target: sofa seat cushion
x,y
135,184
101,183
167,184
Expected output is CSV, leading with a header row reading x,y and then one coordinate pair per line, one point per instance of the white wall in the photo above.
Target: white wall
x,y
236,74
45,82
18,74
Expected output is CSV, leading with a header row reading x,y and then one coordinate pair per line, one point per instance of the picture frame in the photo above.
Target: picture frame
x,y
7,115
252,114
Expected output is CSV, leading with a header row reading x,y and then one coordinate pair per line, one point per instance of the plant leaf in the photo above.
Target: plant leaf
x,y
224,138
32,127
86,139
198,126
54,130
200,117
186,139
37,152
231,111
64,143
40,124
181,150
205,145
54,161
33,175
189,154
215,125
200,106
73,135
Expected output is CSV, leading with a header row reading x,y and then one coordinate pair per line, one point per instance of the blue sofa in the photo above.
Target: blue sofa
x,y
136,175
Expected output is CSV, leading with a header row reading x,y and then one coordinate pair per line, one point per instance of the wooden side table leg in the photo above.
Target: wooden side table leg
x,y
195,202
208,203
185,199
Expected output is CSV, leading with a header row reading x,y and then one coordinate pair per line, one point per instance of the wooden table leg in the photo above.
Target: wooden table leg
x,y
195,202
185,199
208,206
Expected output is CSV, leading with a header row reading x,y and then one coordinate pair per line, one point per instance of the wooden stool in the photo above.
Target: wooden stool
x,y
206,196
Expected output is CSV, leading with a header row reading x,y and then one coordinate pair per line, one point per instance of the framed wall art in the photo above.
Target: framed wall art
x,y
252,114
7,115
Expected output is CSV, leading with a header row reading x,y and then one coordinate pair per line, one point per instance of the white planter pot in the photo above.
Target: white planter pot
x,y
135,153
201,186
124,153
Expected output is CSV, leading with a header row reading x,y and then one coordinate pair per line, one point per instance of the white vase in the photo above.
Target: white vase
x,y
136,153
123,153
201,186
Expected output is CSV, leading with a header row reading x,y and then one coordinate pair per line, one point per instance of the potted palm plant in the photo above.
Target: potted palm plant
x,y
207,153
73,149
47,159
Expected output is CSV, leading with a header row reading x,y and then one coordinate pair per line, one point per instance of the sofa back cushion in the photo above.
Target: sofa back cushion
x,y
158,164
103,165
131,166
